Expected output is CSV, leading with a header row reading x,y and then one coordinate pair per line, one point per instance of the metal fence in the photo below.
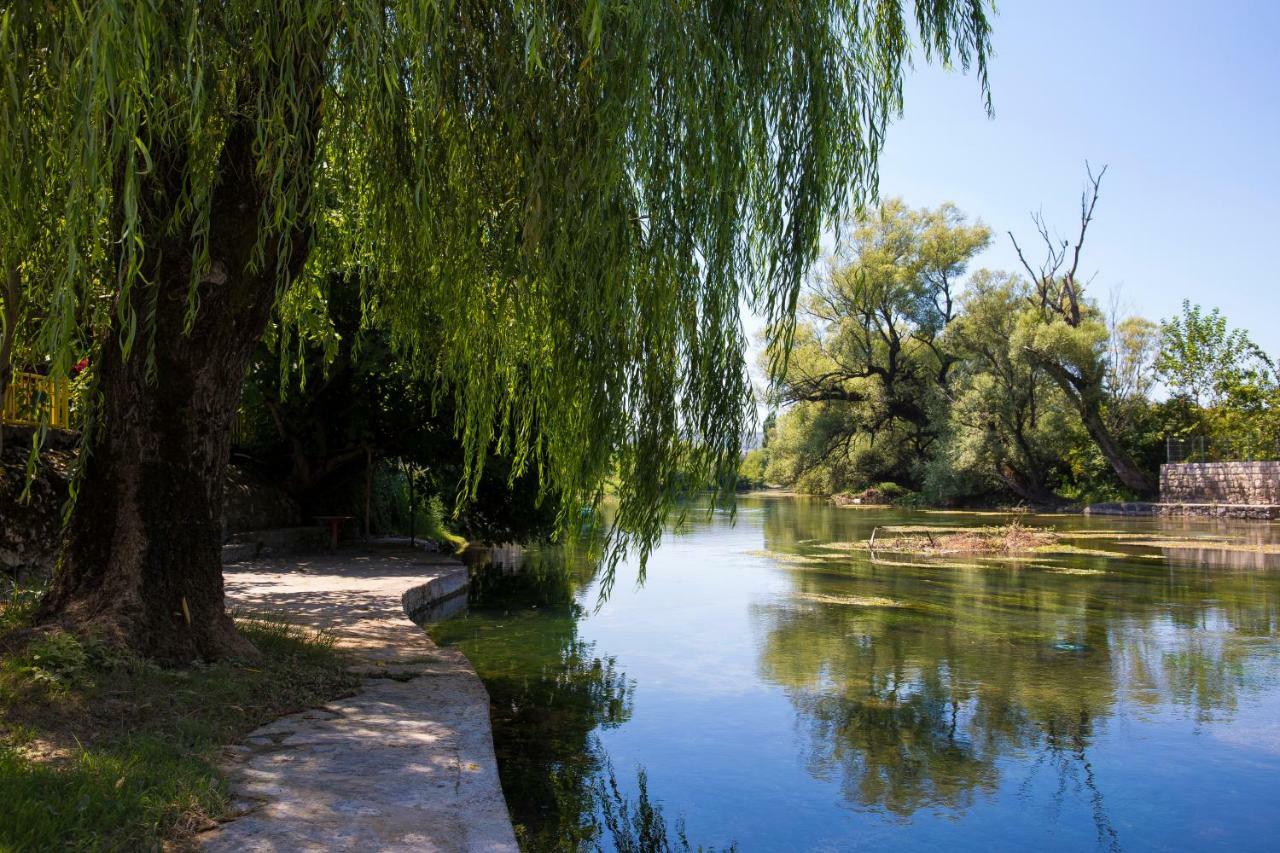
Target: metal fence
x,y
1204,449
32,400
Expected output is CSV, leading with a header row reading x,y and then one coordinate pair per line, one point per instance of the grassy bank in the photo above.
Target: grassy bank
x,y
104,751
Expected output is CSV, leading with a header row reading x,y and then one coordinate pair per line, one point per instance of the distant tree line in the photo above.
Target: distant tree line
x,y
995,386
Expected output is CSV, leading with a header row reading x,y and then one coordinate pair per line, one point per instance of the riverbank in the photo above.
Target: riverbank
x,y
100,750
408,762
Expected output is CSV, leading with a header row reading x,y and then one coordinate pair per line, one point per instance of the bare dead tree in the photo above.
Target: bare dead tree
x,y
1059,296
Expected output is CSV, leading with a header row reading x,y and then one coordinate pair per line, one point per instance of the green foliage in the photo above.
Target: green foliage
x,y
1133,345
580,196
395,510
751,472
18,606
1228,384
348,400
1247,426
1202,359
102,751
891,491
1069,338
870,368
57,662
1008,426
997,386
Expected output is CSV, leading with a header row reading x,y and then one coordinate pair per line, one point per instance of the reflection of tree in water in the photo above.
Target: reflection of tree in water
x,y
795,520
912,706
548,693
1063,750
899,754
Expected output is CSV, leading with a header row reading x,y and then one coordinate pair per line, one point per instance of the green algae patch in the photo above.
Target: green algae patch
x,y
995,513
844,546
1061,548
849,600
784,557
930,564
1214,545
1068,570
1163,540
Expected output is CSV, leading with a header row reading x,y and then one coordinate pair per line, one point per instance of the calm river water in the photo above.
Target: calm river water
x,y
1123,694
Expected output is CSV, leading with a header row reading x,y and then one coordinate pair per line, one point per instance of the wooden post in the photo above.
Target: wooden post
x,y
413,511
368,488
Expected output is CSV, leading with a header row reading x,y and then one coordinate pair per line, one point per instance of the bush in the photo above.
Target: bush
x,y
751,471
391,512
881,493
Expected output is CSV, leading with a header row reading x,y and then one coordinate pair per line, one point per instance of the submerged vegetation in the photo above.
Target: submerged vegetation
x,y
640,826
551,695
549,692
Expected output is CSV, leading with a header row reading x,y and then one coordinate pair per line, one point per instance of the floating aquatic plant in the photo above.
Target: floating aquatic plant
x,y
851,600
935,541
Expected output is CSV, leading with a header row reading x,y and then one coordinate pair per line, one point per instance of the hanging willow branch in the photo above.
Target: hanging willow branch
x,y
581,196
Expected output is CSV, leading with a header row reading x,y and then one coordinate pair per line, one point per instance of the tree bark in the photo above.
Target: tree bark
x,y
1086,397
1027,486
141,565
1130,474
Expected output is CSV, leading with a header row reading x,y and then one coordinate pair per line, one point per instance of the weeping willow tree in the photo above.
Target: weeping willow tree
x,y
581,194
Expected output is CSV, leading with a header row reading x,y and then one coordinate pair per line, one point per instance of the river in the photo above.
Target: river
x,y
783,689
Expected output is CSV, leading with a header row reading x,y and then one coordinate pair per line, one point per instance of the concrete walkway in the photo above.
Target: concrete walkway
x,y
408,763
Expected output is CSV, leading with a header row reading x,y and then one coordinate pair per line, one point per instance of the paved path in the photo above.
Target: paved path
x,y
408,763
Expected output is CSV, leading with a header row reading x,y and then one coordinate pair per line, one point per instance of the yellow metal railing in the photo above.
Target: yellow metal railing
x,y
31,400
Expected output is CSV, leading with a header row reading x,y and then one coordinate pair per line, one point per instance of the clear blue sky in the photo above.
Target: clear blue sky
x,y
1180,99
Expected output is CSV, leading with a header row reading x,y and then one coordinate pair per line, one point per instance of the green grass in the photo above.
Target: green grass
x,y
100,750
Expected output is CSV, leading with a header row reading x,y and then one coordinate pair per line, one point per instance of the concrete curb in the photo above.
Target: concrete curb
x,y
408,763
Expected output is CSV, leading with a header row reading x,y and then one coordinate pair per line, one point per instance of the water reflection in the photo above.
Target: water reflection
x,y
1120,695
550,693
914,706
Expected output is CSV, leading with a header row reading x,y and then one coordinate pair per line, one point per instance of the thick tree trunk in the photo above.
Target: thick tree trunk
x,y
142,561
1028,487
1087,401
1133,477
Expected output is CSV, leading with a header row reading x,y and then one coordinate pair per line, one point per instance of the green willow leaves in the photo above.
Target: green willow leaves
x,y
568,201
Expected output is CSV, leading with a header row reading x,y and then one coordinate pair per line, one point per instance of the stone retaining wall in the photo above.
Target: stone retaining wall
x,y
1243,483
1246,512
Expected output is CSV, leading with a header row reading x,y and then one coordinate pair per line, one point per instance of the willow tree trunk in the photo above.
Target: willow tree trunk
x,y
141,564
1127,470
1085,394
1028,486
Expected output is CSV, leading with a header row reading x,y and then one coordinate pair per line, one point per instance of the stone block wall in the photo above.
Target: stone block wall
x,y
1253,483
250,503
